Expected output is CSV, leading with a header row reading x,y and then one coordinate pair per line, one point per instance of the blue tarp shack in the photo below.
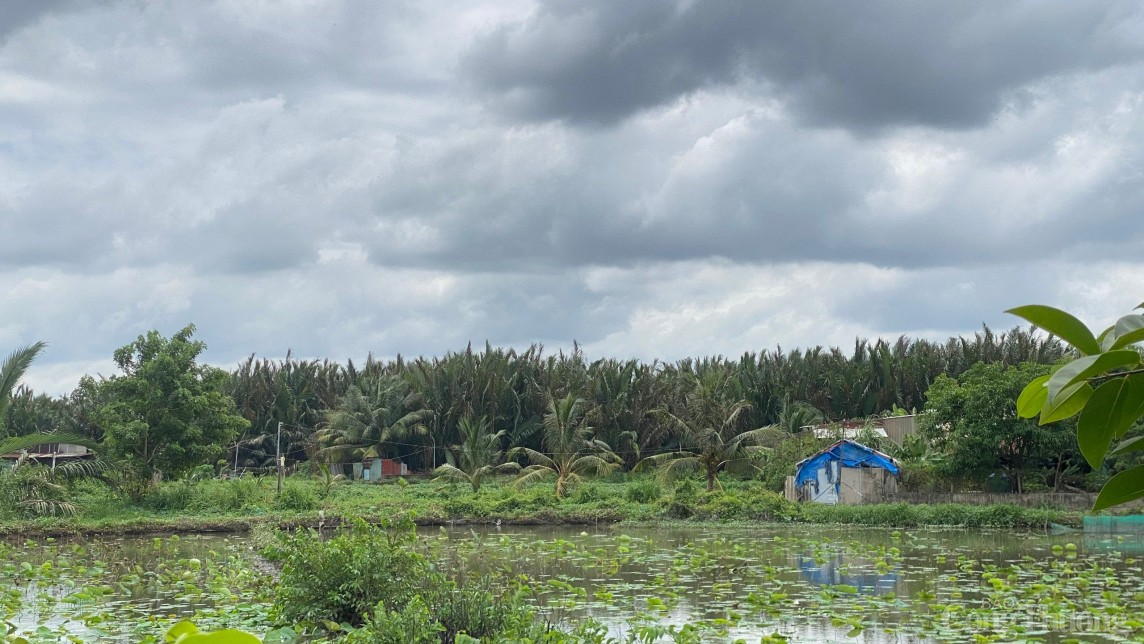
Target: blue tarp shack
x,y
846,473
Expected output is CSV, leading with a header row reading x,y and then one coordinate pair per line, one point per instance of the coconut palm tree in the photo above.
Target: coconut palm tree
x,y
478,456
572,452
12,371
369,418
706,427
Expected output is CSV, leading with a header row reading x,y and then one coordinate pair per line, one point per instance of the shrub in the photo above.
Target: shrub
x,y
171,497
296,497
943,514
345,578
589,493
413,624
464,505
374,577
526,499
207,496
644,491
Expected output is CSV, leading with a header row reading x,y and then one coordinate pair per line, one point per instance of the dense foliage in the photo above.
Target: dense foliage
x,y
552,415
512,390
973,420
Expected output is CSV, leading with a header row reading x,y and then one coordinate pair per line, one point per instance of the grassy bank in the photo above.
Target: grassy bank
x,y
239,505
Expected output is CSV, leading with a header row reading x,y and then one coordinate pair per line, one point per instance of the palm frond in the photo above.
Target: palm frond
x,y
94,468
49,507
533,474
537,459
17,443
678,468
593,464
13,370
448,472
659,460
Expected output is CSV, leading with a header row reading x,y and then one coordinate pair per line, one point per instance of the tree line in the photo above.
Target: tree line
x,y
416,410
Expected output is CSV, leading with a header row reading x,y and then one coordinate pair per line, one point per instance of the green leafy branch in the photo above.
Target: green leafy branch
x,y
1105,385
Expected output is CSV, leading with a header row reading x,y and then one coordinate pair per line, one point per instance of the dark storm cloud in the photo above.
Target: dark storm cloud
x,y
857,65
755,190
15,14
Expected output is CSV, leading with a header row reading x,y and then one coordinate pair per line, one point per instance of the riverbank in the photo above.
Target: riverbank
x,y
244,504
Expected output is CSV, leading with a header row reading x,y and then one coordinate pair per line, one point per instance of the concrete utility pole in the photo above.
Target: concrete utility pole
x,y
278,458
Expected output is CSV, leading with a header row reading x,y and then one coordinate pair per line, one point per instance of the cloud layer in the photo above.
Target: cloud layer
x,y
650,179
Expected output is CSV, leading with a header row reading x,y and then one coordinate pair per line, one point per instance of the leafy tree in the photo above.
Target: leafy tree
x,y
370,418
573,452
707,427
1105,385
973,420
166,413
780,460
478,456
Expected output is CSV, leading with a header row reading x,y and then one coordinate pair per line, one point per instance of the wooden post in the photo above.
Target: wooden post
x,y
279,458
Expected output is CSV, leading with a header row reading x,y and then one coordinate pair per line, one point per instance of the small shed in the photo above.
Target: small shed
x,y
374,469
846,473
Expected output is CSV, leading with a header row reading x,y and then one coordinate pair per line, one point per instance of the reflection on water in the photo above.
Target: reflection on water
x,y
837,570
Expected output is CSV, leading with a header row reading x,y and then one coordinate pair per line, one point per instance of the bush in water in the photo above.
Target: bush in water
x,y
373,579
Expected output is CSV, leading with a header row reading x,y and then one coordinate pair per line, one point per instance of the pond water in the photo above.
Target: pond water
x,y
803,582
828,583
127,588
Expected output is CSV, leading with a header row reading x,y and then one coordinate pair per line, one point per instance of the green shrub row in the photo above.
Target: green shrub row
x,y
640,499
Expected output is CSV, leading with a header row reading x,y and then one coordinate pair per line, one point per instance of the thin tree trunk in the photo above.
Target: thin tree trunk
x,y
1057,473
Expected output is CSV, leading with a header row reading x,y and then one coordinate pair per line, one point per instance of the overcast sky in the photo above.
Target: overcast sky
x,y
650,179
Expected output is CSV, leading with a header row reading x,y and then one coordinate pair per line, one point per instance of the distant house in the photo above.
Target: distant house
x,y
50,454
374,469
895,428
846,473
847,429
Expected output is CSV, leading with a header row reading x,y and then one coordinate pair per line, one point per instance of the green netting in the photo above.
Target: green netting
x,y
1132,523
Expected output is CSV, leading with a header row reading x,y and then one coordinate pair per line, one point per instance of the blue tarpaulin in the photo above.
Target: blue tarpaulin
x,y
849,453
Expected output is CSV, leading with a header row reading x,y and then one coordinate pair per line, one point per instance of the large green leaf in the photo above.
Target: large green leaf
x,y
1134,444
1060,324
1069,403
1128,330
1106,338
1124,487
1089,366
1112,409
1033,397
185,632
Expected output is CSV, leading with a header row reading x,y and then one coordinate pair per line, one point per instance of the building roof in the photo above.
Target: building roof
x,y
850,453
48,450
